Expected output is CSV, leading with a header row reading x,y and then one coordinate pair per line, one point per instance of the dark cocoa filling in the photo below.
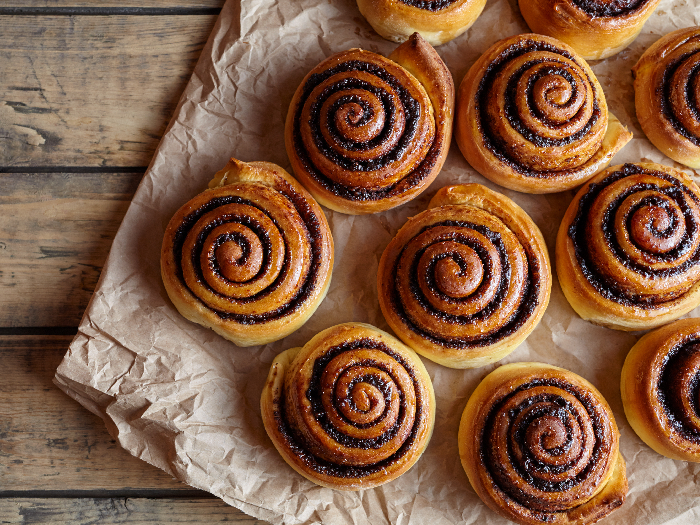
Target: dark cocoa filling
x,y
665,95
577,233
315,238
493,143
610,8
295,443
429,5
412,112
529,466
527,305
511,109
672,368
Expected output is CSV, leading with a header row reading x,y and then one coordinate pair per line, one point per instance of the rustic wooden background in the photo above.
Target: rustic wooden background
x,y
87,88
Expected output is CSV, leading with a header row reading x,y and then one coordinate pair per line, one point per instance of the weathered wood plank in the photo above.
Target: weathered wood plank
x,y
48,442
169,4
92,90
132,511
56,230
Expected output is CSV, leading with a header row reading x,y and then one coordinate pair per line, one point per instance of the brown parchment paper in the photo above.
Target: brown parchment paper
x,y
182,398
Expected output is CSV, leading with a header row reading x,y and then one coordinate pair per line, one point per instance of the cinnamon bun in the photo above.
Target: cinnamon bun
x,y
438,21
466,281
366,133
595,29
660,389
539,444
250,258
352,409
667,95
531,116
628,248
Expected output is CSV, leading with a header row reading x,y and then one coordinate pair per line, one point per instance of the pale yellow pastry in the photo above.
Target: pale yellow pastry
x,y
352,409
595,29
659,387
539,444
438,21
667,95
531,116
466,281
366,133
628,248
250,258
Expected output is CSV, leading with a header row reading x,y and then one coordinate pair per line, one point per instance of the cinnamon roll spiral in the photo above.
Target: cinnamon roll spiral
x,y
466,281
660,389
667,95
353,409
250,258
594,28
540,445
438,21
365,133
628,249
532,117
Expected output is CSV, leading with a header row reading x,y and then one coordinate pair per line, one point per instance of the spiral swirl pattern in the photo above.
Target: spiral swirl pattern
x,y
457,279
356,409
637,235
362,132
668,80
661,389
547,445
532,116
248,255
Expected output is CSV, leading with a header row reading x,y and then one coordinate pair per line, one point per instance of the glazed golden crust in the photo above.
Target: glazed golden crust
x,y
251,257
532,117
595,30
353,409
437,21
667,95
659,388
628,248
366,133
540,444
466,281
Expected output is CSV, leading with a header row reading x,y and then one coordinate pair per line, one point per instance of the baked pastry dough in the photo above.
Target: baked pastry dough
x,y
628,248
595,29
667,95
352,409
365,133
532,117
659,388
540,445
466,281
250,258
438,21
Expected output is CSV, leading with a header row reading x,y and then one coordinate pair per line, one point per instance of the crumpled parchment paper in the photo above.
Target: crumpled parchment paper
x,y
182,398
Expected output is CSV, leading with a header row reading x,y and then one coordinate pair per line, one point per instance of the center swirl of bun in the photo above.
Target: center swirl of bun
x,y
358,407
548,445
641,235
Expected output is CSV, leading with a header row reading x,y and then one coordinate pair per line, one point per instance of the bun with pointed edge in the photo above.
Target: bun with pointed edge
x,y
251,257
366,133
539,444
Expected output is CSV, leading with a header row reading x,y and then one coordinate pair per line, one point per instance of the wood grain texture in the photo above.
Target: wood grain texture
x,y
163,4
108,511
48,442
92,90
56,230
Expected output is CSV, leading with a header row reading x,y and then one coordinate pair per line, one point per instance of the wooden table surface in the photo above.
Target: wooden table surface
x,y
87,88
